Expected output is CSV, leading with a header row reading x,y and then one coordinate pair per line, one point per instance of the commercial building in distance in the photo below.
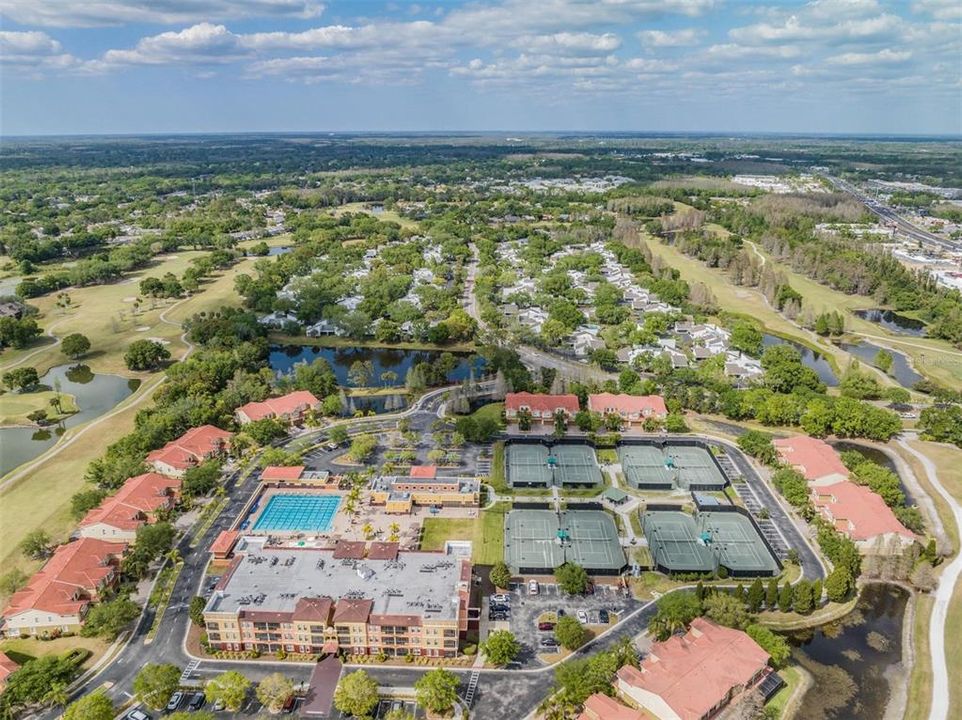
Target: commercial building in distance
x,y
542,407
58,596
189,450
290,408
364,600
696,675
632,409
424,487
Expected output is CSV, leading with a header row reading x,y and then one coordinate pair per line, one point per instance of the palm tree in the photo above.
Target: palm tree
x,y
174,556
56,695
395,532
368,531
556,707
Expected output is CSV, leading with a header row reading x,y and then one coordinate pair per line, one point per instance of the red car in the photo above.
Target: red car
x,y
546,626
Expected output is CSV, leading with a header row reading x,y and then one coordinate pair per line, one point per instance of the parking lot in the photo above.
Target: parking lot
x,y
525,610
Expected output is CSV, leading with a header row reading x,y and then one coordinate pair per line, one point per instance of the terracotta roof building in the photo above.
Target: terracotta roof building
x,y
861,515
602,707
815,459
136,504
311,600
289,408
190,449
631,408
695,675
541,406
57,597
7,667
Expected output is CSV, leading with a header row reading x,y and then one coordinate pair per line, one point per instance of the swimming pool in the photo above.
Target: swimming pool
x,y
298,513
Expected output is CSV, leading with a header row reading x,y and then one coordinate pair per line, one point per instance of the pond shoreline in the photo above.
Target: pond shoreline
x,y
332,341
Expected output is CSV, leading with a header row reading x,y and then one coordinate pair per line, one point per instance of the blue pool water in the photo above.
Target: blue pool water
x,y
298,513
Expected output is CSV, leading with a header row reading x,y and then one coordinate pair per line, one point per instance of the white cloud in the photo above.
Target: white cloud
x,y
939,9
94,13
200,44
882,57
733,51
34,51
818,28
570,42
671,38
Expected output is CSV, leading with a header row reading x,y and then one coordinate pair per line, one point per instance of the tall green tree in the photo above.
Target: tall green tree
x,y
155,683
437,690
356,694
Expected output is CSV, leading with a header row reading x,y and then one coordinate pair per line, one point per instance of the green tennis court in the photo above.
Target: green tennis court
x,y
682,543
562,464
674,467
532,544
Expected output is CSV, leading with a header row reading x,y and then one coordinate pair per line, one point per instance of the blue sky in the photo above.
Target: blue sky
x,y
133,66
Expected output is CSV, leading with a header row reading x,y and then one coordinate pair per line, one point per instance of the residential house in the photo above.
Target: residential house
x,y
815,459
323,328
56,599
137,503
7,668
633,409
542,406
696,675
189,450
289,408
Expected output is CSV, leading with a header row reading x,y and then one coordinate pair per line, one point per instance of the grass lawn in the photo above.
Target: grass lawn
x,y
334,342
494,411
25,649
776,620
953,655
920,681
385,216
15,406
486,534
497,479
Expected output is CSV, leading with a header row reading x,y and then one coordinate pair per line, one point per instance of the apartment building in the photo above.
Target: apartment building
x,y
424,487
137,503
357,598
189,450
290,408
542,407
633,409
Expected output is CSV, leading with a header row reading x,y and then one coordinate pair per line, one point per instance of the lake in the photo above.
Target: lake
x,y
901,370
893,322
853,660
876,456
284,357
96,394
810,358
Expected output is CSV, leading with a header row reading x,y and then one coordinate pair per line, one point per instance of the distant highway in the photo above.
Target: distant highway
x,y
888,215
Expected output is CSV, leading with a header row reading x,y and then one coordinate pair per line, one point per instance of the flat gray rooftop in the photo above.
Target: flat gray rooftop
x,y
273,579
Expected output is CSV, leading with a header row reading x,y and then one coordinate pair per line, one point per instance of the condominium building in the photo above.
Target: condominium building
x,y
630,408
138,502
356,598
189,450
289,408
542,407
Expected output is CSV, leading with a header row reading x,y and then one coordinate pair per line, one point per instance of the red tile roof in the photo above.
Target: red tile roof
x,y
813,458
281,472
191,448
349,550
858,512
383,551
224,542
7,666
695,672
135,502
75,571
353,610
602,707
313,608
286,405
423,471
627,404
541,402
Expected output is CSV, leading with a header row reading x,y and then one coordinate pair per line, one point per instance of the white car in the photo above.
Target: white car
x,y
582,617
501,598
533,587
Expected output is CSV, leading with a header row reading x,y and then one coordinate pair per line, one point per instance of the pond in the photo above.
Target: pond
x,y
901,369
810,358
875,455
855,659
384,360
893,322
96,394
279,250
375,403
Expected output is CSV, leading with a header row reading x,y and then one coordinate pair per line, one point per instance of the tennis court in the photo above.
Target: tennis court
x,y
683,543
532,541
563,464
297,513
682,467
526,464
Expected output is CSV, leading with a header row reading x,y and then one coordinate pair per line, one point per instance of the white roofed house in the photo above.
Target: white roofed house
x,y
533,318
323,327
742,367
677,358
584,343
277,319
351,302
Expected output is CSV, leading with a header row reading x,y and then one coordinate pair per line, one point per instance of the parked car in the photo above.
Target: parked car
x,y
545,626
219,705
174,701
501,598
560,613
582,617
498,616
533,587
603,616
500,607
136,714
290,704
196,702
548,643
